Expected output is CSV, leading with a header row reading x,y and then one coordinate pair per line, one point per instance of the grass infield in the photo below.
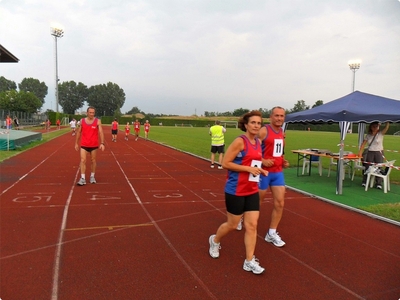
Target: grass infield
x,y
197,141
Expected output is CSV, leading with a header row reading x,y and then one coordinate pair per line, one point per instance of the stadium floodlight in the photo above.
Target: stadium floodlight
x,y
57,33
354,66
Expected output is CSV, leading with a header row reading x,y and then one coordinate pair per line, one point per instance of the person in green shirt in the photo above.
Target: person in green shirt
x,y
217,143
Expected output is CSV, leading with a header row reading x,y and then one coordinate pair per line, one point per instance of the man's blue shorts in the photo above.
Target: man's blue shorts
x,y
273,179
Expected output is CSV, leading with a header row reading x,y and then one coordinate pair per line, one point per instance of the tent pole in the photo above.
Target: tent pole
x,y
339,180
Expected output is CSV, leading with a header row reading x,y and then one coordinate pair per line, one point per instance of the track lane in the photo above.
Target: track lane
x,y
109,236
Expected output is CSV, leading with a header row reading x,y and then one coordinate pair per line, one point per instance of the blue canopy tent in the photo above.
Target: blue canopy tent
x,y
356,107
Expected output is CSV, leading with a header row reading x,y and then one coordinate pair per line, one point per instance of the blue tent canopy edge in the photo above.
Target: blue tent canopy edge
x,y
356,107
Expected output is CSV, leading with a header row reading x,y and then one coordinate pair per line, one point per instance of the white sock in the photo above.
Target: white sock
x,y
92,174
83,176
271,231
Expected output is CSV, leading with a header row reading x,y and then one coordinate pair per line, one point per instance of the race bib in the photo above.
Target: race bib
x,y
278,148
255,163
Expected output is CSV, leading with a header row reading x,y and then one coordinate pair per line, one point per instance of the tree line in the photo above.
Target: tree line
x,y
299,106
107,98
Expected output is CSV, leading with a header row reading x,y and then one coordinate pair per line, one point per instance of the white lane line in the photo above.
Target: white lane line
x,y
23,176
291,256
86,237
57,258
170,245
37,166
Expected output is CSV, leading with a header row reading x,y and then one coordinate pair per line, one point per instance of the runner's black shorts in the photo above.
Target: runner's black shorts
x,y
237,205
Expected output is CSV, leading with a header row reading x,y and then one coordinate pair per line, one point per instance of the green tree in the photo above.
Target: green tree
x,y
19,101
300,106
318,103
72,96
240,112
117,113
265,112
224,114
32,103
209,114
6,85
39,89
106,98
134,110
9,100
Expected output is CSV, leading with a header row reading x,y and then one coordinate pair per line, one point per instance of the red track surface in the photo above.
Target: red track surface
x,y
142,232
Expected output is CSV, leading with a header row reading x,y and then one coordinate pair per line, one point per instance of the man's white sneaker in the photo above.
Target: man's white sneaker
x,y
82,181
92,179
253,266
240,224
275,239
214,247
220,167
212,166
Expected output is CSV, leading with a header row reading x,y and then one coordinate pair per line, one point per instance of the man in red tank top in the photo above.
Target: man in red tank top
x,y
136,126
114,130
272,138
87,140
146,129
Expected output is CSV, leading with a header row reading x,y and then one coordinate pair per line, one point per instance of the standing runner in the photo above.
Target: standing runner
x,y
217,133
114,130
8,122
73,126
127,130
146,129
16,122
48,123
88,135
136,127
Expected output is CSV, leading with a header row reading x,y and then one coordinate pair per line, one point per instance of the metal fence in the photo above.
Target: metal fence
x,y
25,119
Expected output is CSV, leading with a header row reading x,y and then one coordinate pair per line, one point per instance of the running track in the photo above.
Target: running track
x,y
142,233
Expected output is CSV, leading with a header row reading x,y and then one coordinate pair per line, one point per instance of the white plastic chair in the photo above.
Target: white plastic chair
x,y
374,171
346,164
314,160
357,166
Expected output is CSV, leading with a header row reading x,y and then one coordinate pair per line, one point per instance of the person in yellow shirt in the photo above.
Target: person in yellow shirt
x,y
217,143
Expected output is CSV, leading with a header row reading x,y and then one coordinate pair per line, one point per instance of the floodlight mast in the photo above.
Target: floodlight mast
x,y
57,33
354,66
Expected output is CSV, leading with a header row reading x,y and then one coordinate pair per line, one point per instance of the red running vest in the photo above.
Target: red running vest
x,y
90,134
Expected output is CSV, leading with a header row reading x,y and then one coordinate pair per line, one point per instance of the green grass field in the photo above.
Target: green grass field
x,y
197,141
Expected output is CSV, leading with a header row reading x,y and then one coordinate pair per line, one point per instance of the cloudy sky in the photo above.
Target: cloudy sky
x,y
190,56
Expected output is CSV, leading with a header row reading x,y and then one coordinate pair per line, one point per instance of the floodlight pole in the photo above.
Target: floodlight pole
x,y
57,33
354,66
